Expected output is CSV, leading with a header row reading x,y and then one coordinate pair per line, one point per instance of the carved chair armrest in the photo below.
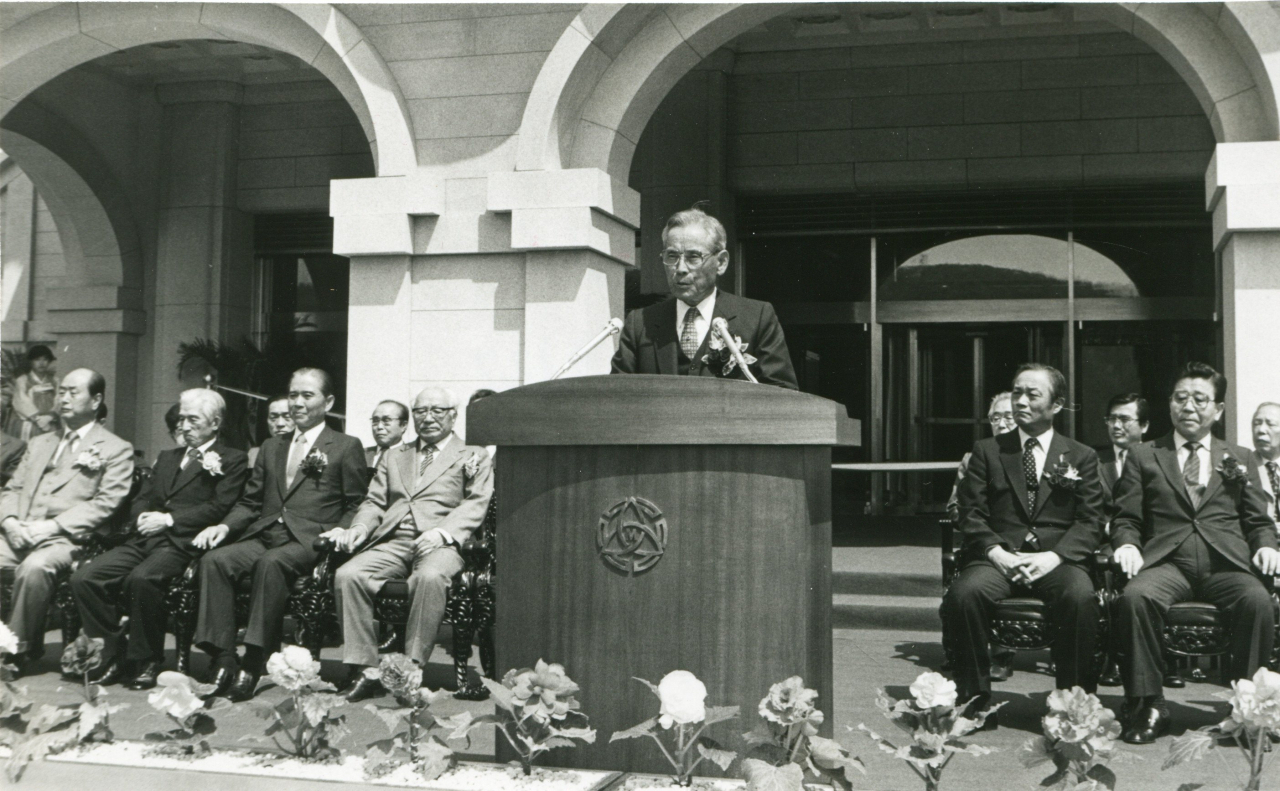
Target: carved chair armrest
x,y
950,555
189,574
327,565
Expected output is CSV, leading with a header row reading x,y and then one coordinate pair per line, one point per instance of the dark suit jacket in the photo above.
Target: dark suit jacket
x,y
11,449
194,497
1107,469
649,343
993,500
314,503
1154,511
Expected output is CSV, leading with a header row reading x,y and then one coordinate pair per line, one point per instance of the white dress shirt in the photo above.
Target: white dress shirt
x,y
309,438
203,449
1206,461
68,439
1040,451
702,323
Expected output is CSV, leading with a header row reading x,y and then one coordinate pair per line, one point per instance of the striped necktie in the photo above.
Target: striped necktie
x,y
1191,473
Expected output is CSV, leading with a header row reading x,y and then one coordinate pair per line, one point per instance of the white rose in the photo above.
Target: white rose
x,y
293,668
175,696
8,640
683,699
932,690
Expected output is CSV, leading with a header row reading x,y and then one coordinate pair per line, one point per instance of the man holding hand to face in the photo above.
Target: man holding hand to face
x,y
1030,512
1190,521
426,499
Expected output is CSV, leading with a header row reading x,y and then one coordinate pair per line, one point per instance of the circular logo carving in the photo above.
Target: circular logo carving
x,y
632,536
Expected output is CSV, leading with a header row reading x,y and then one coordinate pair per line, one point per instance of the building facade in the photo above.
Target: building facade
x,y
464,194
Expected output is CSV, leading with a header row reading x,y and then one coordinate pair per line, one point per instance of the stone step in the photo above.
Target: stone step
x,y
871,611
887,584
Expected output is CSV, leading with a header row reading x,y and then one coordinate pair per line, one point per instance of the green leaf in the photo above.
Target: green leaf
x,y
391,718
1102,774
833,761
1190,787
587,735
720,714
1035,752
761,734
500,694
436,757
652,686
721,758
1190,746
36,747
48,718
552,743
643,729
763,776
202,724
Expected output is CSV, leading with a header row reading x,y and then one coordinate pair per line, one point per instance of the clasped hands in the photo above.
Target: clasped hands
x,y
1267,560
24,535
152,522
348,539
1023,566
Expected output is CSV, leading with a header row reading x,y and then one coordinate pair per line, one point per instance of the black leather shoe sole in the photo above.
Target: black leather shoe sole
x,y
244,687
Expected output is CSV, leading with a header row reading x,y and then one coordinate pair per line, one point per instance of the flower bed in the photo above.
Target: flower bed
x,y
259,770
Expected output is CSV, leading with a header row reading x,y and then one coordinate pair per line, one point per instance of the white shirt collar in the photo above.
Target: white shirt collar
x,y
81,432
439,445
1044,439
1180,441
311,434
705,308
203,449
1119,451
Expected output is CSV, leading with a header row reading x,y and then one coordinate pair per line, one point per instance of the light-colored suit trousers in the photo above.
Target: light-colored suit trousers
x,y
359,580
35,576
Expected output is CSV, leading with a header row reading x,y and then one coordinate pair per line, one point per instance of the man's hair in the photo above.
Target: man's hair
x,y
276,398
696,216
1130,398
449,396
97,384
171,417
1199,370
991,408
326,381
404,410
1057,382
1265,404
209,402
483,392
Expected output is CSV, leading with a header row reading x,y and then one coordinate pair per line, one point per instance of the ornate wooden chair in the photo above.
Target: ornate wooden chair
x,y
469,609
1021,621
113,531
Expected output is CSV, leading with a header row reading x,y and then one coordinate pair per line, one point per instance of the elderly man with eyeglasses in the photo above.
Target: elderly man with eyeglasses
x,y
426,499
675,337
389,420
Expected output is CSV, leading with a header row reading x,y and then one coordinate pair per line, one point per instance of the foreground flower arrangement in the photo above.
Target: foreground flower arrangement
x,y
1254,722
682,718
1079,738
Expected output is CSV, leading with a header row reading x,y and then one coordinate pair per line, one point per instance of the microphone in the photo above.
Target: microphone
x,y
612,328
721,328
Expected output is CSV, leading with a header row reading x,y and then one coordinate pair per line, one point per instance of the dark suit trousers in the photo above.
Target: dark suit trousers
x,y
1072,607
132,577
1196,570
268,563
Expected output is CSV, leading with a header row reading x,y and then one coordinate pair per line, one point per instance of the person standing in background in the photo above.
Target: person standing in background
x,y
32,412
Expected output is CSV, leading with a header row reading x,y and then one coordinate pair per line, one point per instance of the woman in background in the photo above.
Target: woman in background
x,y
32,412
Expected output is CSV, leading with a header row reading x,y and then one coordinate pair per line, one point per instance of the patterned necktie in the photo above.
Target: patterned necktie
x,y
193,454
689,333
428,456
1029,470
295,459
1273,474
65,449
1191,473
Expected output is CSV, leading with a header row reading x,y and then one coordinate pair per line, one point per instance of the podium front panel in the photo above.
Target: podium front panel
x,y
635,560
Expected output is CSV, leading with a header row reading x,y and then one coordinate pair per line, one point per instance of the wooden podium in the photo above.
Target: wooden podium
x,y
654,523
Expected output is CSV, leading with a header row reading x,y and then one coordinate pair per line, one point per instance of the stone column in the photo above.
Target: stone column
x,y
1243,188
204,258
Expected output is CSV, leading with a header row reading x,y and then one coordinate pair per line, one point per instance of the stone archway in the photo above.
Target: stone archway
x,y
614,64
45,41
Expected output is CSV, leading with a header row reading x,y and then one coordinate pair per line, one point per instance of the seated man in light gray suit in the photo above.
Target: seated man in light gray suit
x,y
426,499
66,485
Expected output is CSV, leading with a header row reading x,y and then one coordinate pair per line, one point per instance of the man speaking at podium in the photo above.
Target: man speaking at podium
x,y
676,336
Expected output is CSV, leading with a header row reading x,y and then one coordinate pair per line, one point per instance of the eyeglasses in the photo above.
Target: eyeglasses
x,y
436,412
672,258
1199,399
996,418
384,421
1119,420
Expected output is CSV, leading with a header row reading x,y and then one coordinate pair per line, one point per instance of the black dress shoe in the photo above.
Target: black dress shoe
x,y
146,678
1001,666
1174,681
1111,676
221,681
364,688
111,673
1149,724
243,687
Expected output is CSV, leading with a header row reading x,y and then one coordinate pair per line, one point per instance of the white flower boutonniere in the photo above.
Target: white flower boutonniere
x,y
314,463
212,463
472,465
90,460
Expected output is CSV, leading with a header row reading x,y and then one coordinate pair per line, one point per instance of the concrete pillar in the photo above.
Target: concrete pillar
x,y
1243,192
17,258
681,159
204,258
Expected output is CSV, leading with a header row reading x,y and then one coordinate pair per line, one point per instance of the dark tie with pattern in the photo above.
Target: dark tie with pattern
x,y
193,454
1191,473
689,333
1029,470
1273,474
428,456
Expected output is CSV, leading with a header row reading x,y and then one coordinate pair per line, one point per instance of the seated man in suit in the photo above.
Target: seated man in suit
x,y
389,420
674,337
1266,454
1128,418
11,450
426,499
66,485
1030,512
191,488
302,485
1189,523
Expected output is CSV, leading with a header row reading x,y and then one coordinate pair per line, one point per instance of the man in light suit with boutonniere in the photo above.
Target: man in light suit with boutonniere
x,y
427,498
66,485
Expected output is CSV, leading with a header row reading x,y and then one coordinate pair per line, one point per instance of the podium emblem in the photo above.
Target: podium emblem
x,y
632,536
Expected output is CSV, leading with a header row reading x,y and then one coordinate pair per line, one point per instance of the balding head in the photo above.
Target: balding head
x,y
80,394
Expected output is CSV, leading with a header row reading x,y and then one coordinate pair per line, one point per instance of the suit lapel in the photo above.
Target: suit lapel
x,y
443,461
66,469
41,455
280,463
1053,455
1217,450
1167,458
666,344
322,444
403,463
724,309
186,475
1011,460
